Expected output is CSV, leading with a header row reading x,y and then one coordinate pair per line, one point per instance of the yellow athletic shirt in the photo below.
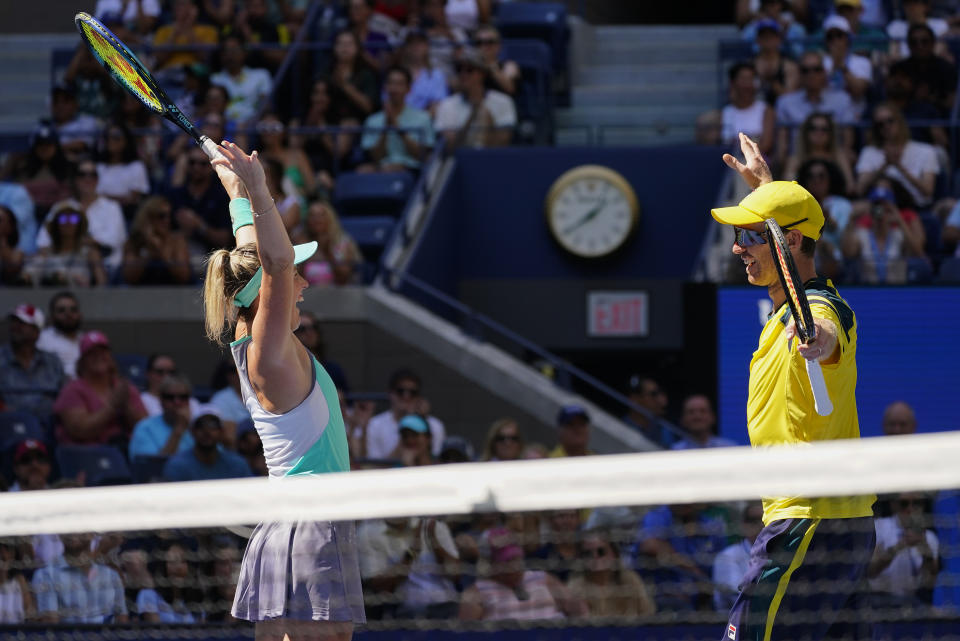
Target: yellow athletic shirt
x,y
780,407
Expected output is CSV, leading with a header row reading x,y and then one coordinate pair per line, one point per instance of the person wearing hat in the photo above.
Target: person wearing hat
x,y
574,439
846,70
99,407
475,116
867,38
43,170
827,542
778,73
414,445
30,378
251,294
31,466
793,32
206,460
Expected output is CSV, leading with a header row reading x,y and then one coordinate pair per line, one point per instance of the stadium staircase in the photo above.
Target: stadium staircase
x,y
640,85
25,76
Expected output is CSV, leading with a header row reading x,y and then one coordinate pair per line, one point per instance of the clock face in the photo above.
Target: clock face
x,y
591,211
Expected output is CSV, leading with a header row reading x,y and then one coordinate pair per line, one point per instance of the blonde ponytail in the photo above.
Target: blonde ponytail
x,y
227,273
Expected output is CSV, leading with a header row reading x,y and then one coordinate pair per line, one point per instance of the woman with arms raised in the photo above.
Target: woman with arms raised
x,y
298,580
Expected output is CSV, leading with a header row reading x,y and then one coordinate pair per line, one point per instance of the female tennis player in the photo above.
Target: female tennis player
x,y
298,580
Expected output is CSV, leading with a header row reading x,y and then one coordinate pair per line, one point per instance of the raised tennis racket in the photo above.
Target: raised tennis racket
x,y
130,73
800,308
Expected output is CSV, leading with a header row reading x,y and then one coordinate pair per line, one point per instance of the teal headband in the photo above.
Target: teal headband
x,y
251,290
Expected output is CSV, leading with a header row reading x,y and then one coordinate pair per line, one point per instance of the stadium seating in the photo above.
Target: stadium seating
x,y
372,194
533,97
134,367
546,21
100,464
372,233
950,270
919,271
14,428
147,469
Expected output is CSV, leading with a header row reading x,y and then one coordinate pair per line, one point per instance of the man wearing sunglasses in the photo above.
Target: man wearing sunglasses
x,y
166,433
383,432
813,553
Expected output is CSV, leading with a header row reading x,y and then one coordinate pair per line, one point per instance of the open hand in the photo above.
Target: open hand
x,y
755,171
247,167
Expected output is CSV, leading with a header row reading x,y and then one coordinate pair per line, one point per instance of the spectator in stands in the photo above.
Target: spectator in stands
x,y
30,378
18,602
898,418
73,258
574,438
161,366
778,73
906,560
122,175
75,589
322,147
99,406
915,12
289,205
249,88
413,448
504,441
730,564
44,171
776,10
11,257
502,75
351,82
468,15
456,449
311,335
675,547
445,39
846,71
338,259
881,240
177,598
698,418
867,38
62,336
254,25
78,132
396,138
131,20
935,79
105,222
823,181
297,175
167,433
155,253
429,84
31,466
373,31
892,155
813,96
406,566
186,35
900,92
511,591
559,552
219,578
382,435
206,461
16,200
475,116
228,399
217,12
746,112
605,584
97,92
819,139
216,99
649,395
149,132
198,207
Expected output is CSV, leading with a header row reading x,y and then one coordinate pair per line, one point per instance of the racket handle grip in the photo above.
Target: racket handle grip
x,y
209,147
821,398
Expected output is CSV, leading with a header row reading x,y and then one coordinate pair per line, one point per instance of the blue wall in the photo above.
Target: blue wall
x,y
490,222
907,349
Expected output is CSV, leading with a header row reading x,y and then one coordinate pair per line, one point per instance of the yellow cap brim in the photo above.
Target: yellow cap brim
x,y
735,216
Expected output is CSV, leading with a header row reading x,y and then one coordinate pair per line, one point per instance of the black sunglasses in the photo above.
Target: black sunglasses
x,y
749,238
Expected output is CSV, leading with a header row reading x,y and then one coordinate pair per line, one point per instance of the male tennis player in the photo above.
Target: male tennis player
x,y
808,563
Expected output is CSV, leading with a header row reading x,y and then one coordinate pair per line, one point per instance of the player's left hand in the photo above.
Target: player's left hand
x,y
822,347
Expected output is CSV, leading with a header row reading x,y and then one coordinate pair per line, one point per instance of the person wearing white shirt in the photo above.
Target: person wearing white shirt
x,y
730,564
476,116
914,12
159,367
906,559
382,431
62,336
846,70
248,88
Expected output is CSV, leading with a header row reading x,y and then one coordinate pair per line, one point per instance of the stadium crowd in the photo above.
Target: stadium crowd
x,y
66,396
854,103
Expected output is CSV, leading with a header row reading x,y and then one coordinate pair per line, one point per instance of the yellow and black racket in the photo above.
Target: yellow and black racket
x,y
800,308
130,73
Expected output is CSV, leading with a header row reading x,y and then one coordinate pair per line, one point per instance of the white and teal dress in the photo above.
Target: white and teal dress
x,y
306,570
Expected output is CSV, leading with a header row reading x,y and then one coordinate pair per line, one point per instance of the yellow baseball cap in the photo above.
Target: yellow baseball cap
x,y
792,206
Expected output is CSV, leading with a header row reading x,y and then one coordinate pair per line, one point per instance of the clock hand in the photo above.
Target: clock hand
x,y
590,215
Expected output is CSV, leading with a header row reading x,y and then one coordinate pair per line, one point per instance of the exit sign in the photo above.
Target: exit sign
x,y
618,314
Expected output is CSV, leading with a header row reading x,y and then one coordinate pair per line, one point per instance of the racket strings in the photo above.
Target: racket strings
x,y
123,70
